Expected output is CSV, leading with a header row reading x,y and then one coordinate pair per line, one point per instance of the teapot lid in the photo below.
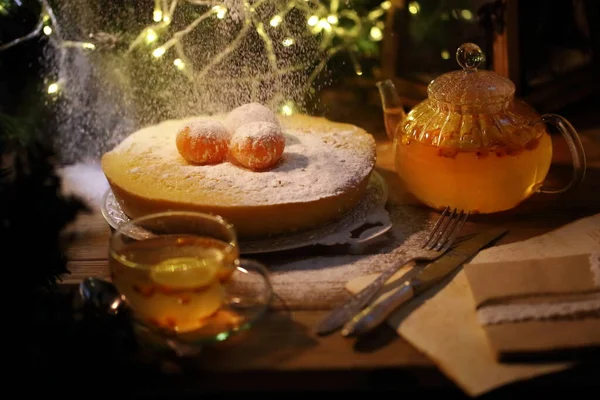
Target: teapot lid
x,y
470,86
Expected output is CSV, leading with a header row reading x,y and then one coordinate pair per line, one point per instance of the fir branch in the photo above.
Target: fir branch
x,y
15,129
33,210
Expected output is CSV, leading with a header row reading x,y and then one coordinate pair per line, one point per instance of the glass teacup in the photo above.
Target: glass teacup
x,y
182,276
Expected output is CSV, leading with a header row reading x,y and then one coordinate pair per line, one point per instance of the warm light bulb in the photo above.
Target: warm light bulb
x,y
220,11
166,19
287,108
88,46
157,15
275,21
332,19
287,42
47,30
445,54
53,88
359,72
466,14
178,62
376,33
159,52
386,5
414,7
323,24
151,36
313,20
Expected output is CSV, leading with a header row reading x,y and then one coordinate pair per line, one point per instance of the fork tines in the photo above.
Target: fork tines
x,y
445,230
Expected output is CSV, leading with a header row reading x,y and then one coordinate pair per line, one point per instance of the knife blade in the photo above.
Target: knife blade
x,y
373,315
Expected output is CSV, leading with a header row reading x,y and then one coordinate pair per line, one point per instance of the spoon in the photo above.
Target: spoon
x,y
101,294
105,297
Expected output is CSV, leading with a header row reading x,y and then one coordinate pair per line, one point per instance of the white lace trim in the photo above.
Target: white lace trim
x,y
595,267
500,313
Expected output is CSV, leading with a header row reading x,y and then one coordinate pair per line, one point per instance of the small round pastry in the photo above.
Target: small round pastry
x,y
203,142
247,113
257,145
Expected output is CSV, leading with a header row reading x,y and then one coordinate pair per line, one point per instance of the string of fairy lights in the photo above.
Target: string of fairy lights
x,y
322,20
334,22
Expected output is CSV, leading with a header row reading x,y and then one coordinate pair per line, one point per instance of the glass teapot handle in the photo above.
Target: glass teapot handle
x,y
576,148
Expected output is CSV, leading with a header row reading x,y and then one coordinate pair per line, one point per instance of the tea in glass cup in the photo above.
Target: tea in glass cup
x,y
181,273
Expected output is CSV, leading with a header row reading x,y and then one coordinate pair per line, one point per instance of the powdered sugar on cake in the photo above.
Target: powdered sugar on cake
x,y
313,166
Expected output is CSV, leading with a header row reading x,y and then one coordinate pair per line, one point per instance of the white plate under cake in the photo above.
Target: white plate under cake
x,y
322,174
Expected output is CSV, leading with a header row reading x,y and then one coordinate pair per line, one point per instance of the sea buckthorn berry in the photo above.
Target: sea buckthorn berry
x,y
257,145
203,142
144,289
447,152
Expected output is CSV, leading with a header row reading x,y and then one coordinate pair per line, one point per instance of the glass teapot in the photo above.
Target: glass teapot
x,y
471,144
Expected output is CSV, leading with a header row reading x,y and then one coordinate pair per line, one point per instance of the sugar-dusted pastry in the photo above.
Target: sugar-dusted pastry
x,y
322,173
257,145
203,141
247,113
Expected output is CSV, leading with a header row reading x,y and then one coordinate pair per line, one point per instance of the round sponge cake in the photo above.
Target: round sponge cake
x,y
322,174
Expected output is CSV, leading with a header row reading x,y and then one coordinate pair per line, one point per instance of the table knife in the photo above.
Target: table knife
x,y
373,315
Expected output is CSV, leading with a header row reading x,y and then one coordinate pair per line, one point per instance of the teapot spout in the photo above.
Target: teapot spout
x,y
393,112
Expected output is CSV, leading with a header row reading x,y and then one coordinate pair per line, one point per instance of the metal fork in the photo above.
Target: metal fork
x,y
440,238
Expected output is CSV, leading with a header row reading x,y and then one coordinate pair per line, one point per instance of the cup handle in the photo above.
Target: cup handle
x,y
576,148
260,268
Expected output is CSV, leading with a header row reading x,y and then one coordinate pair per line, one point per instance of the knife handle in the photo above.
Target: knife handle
x,y
375,314
344,312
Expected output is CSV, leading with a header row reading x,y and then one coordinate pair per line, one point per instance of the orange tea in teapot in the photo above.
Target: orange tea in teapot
x,y
484,181
471,145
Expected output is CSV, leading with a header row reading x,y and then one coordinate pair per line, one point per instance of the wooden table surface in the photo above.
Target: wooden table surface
x,y
281,352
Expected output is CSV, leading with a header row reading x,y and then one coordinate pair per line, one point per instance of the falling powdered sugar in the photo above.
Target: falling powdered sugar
x,y
225,55
86,181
